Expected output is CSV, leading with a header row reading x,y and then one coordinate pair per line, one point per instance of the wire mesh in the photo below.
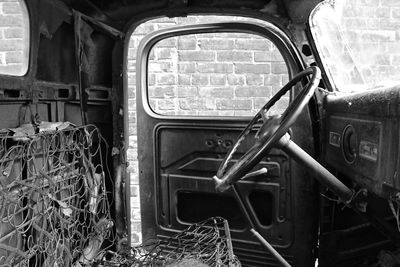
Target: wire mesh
x,y
207,243
54,208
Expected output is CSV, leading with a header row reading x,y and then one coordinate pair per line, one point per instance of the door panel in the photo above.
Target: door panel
x,y
184,174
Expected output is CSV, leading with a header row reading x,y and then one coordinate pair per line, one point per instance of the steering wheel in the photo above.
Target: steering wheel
x,y
272,129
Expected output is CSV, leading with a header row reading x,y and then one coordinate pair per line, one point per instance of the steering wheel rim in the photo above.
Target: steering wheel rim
x,y
225,178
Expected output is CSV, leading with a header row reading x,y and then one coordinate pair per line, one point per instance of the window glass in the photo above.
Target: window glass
x,y
14,37
215,74
358,42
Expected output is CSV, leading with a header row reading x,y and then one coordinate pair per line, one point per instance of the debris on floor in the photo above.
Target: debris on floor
x,y
207,243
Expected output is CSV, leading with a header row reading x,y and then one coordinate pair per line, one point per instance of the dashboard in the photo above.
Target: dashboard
x,y
362,138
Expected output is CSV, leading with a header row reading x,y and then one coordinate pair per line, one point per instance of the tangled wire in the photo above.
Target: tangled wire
x,y
54,209
207,243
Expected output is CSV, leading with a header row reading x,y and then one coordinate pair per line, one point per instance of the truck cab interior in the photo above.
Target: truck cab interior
x,y
280,116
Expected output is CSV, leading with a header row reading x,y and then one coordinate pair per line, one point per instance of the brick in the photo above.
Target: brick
x,y
395,13
234,56
382,12
132,167
185,43
131,66
166,79
196,56
246,44
135,214
378,36
136,226
132,116
396,60
131,92
254,79
215,68
372,23
274,56
390,3
132,139
186,67
186,91
191,104
13,32
11,45
217,79
216,44
130,154
131,105
353,23
279,68
12,8
132,128
183,79
165,104
14,57
134,191
11,20
235,79
272,79
235,104
164,53
382,59
200,79
135,202
154,66
389,24
133,176
161,92
252,68
216,92
253,91
394,48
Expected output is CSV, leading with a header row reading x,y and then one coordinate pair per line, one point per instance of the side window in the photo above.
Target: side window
x,y
214,74
14,37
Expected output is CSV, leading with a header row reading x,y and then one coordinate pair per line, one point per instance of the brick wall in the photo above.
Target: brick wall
x,y
369,37
379,38
14,46
215,74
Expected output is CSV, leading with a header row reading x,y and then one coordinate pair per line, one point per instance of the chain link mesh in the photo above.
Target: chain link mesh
x,y
54,208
